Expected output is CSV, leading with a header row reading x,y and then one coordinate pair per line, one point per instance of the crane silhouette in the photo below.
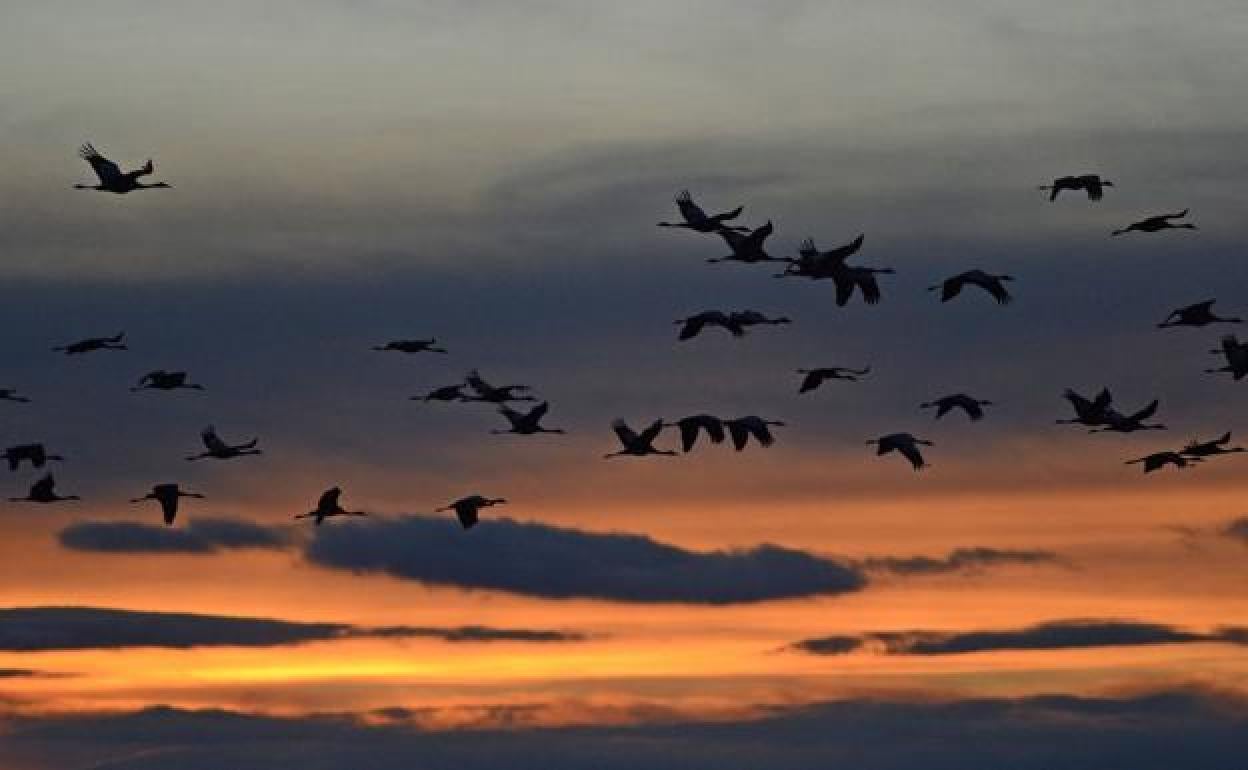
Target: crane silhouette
x,y
492,394
1157,223
696,219
167,495
35,454
526,423
972,406
1159,460
468,509
111,177
1199,314
1117,422
10,394
637,444
747,248
692,426
92,344
742,429
219,450
328,506
1088,412
412,346
43,491
992,284
812,263
904,444
1217,446
1236,354
693,325
815,377
159,379
1092,184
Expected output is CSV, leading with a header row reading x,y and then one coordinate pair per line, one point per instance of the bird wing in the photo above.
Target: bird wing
x,y
740,434
865,280
845,283
150,377
849,249
1103,400
1201,307
329,499
950,288
761,433
169,507
971,407
212,441
1145,413
728,215
467,513
812,380
105,169
997,289
911,453
1092,183
626,435
693,326
691,211
754,241
651,433
43,487
538,412
807,249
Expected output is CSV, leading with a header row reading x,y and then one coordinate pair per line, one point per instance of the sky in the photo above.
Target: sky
x,y
490,174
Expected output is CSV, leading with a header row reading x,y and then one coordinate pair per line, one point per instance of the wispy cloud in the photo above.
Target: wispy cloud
x,y
958,560
200,535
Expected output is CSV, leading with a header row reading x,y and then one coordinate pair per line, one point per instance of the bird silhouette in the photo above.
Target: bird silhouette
x,y
526,423
43,491
748,318
696,219
92,344
849,278
219,450
412,346
468,509
444,393
1199,314
742,429
1117,422
1159,460
1157,223
812,263
992,284
494,394
694,324
159,379
815,377
905,444
693,425
747,248
328,506
35,454
112,179
167,495
1217,446
1091,413
972,406
637,444
1236,354
1092,184
10,394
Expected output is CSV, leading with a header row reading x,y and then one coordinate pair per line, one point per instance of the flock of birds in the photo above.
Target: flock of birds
x,y
747,245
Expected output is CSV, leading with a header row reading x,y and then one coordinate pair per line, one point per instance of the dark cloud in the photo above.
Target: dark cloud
x,y
1055,635
958,560
555,562
200,535
1237,529
36,629
18,673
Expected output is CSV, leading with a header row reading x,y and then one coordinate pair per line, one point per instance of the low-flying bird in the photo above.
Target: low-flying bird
x,y
904,444
992,284
696,219
1093,412
167,495
637,444
1200,314
468,509
972,406
35,454
328,506
743,428
815,377
693,325
412,346
693,425
43,491
1217,446
219,450
747,248
112,179
812,263
160,379
1092,184
526,423
10,394
1236,353
492,394
92,344
1117,422
1157,223
444,393
1159,460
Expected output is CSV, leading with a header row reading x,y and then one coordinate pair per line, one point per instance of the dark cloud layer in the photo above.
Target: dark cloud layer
x,y
200,535
35,629
555,562
1055,635
958,560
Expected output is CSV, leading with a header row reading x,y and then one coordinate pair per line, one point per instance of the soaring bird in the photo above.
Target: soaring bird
x,y
1236,353
43,491
492,394
526,423
693,325
1159,222
1159,460
328,506
412,346
904,443
812,263
468,509
1130,423
972,406
1090,183
697,220
692,425
1200,314
992,284
444,393
743,428
748,318
35,454
220,450
1217,446
816,377
94,343
167,495
112,179
160,379
10,394
637,444
1092,413
747,248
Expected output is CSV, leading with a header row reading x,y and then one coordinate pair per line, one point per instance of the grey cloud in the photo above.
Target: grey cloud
x,y
200,535
959,560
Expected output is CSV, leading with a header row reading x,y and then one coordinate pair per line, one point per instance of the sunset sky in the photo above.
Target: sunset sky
x,y
490,174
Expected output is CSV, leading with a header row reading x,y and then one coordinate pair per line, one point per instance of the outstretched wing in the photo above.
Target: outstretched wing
x,y
43,487
950,288
1092,183
624,433
997,289
652,432
740,434
761,433
538,412
911,453
105,169
1145,413
692,327
848,250
812,380
756,237
691,211
212,441
865,280
329,499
